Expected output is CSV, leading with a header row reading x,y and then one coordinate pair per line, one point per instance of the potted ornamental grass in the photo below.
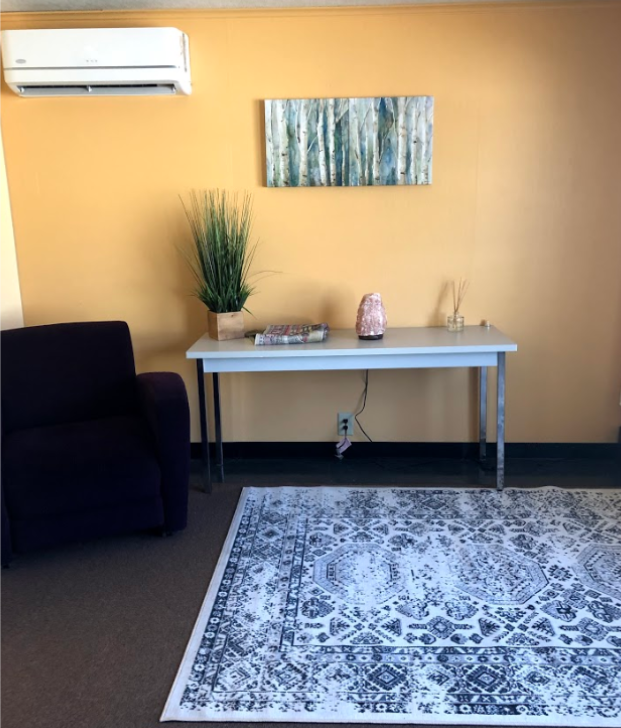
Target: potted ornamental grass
x,y
220,258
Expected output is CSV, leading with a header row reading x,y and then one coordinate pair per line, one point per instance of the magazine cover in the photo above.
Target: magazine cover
x,y
292,334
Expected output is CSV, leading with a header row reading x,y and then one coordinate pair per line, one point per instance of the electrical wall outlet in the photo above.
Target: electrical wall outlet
x,y
345,423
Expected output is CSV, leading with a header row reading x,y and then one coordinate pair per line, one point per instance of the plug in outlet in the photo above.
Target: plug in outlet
x,y
345,423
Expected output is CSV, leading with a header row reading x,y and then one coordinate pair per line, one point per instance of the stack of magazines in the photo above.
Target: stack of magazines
x,y
292,334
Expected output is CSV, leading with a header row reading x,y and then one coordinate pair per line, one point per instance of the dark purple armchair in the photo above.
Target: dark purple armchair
x,y
88,448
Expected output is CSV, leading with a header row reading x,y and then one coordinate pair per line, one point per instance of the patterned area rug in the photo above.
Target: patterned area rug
x,y
417,605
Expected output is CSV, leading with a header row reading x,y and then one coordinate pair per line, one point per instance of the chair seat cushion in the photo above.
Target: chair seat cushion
x,y
80,466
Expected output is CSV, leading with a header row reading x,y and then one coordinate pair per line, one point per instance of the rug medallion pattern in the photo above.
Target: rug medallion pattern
x,y
412,604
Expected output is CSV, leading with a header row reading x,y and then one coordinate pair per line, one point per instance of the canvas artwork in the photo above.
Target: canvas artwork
x,y
349,142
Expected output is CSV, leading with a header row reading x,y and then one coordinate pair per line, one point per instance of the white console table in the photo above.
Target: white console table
x,y
404,348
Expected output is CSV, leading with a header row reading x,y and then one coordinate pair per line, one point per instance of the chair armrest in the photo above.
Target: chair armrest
x,y
5,530
164,404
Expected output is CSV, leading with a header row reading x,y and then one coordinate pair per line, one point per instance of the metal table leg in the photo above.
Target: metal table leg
x,y
500,456
216,404
482,415
200,370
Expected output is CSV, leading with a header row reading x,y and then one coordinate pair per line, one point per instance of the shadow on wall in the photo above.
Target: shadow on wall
x,y
259,124
176,327
439,314
336,304
314,303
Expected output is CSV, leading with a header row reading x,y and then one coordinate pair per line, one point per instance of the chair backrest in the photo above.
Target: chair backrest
x,y
66,373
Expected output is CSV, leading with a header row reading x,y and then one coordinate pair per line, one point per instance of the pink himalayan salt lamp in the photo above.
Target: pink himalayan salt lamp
x,y
371,321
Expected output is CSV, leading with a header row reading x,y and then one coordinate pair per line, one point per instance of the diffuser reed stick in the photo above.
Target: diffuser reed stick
x,y
459,293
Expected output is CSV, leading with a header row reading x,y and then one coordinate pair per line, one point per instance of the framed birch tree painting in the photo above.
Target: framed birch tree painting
x,y
349,142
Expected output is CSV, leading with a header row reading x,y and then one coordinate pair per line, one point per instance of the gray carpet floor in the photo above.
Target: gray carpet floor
x,y
93,633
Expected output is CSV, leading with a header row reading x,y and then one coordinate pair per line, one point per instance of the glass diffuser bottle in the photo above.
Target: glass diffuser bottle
x,y
455,322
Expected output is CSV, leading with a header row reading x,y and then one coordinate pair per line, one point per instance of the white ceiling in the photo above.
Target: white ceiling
x,y
75,5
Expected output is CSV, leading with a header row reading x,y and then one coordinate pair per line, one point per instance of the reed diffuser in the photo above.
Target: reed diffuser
x,y
455,321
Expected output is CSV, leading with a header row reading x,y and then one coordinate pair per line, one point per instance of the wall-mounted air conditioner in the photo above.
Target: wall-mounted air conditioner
x,y
97,62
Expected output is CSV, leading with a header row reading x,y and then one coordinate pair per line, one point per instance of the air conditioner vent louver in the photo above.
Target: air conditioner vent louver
x,y
118,89
97,62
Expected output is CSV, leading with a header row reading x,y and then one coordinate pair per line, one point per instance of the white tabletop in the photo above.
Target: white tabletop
x,y
345,342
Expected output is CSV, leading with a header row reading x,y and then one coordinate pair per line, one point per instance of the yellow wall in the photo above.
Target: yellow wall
x,y
11,315
525,203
